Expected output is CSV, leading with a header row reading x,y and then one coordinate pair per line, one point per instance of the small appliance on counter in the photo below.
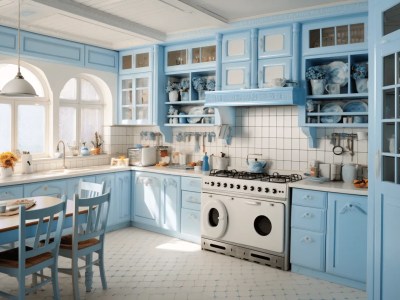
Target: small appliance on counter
x,y
142,156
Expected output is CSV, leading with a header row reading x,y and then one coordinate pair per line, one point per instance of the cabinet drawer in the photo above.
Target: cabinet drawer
x,y
308,218
191,200
190,222
191,184
11,192
309,198
307,249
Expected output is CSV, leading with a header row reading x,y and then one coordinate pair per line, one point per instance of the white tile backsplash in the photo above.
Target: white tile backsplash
x,y
271,131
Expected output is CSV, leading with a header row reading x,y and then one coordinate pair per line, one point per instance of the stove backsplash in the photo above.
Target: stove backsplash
x,y
271,131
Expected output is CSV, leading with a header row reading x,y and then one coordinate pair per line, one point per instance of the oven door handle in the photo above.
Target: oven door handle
x,y
253,203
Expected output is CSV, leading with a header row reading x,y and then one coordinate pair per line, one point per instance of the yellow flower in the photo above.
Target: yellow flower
x,y
8,160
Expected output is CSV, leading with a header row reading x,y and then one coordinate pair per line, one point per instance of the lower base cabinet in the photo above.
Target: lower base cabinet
x,y
329,236
191,203
157,200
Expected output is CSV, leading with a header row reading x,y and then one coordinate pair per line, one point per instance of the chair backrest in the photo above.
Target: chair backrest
x,y
47,233
90,189
95,220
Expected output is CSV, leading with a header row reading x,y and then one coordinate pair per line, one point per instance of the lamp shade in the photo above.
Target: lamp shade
x,y
18,87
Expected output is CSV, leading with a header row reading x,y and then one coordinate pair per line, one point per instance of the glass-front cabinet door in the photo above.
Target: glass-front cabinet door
x,y
134,61
136,104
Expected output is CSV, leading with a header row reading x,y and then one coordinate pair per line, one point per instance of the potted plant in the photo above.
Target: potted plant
x,y
316,75
359,72
172,90
7,163
184,86
97,143
210,85
199,84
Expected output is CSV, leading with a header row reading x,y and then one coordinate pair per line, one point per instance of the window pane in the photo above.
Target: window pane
x,y
67,125
5,127
88,91
91,121
31,128
69,90
8,72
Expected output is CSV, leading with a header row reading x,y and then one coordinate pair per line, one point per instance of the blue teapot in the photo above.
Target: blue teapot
x,y
256,165
84,150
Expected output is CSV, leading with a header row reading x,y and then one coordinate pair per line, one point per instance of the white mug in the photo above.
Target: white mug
x,y
333,88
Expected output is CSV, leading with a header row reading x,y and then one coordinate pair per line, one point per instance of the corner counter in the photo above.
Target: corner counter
x,y
330,186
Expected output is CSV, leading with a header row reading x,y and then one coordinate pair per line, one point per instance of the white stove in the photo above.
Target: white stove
x,y
246,215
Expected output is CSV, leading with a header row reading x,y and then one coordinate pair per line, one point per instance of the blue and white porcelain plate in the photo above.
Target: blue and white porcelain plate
x,y
338,73
356,106
331,108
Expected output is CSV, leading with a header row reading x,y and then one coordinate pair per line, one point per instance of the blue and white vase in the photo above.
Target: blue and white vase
x,y
362,85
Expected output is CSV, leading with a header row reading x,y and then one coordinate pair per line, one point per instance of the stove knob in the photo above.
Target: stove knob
x,y
267,190
225,185
212,183
252,188
274,191
259,189
245,187
238,186
231,185
218,184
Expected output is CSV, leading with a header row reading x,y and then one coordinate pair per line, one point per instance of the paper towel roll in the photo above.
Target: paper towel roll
x,y
26,163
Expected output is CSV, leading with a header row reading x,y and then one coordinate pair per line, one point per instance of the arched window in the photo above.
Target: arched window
x,y
23,121
81,111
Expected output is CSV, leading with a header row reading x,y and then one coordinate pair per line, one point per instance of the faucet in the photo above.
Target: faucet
x,y
58,150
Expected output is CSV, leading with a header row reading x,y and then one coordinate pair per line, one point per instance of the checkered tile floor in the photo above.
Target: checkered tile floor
x,y
146,266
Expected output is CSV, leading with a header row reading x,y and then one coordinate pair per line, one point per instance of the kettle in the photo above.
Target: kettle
x,y
220,162
255,165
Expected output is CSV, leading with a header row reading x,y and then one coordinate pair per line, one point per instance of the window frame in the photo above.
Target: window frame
x,y
80,104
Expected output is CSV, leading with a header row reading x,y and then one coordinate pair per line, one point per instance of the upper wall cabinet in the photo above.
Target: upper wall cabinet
x,y
327,37
275,42
236,47
138,60
190,56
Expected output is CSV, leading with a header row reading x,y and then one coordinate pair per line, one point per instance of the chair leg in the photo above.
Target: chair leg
x,y
89,272
21,287
75,272
102,270
54,281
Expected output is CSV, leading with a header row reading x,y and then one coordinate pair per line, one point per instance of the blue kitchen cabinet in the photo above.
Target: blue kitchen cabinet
x,y
136,60
170,203
308,230
147,198
54,188
275,42
236,46
11,192
123,187
73,183
157,201
109,180
384,150
269,69
346,238
328,236
190,212
235,75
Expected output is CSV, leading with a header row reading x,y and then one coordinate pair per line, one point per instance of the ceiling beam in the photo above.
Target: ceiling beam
x,y
90,13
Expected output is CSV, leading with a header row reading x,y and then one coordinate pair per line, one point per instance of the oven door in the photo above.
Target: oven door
x,y
259,224
214,217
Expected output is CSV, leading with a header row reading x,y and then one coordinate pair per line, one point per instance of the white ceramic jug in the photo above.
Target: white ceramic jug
x,y
349,173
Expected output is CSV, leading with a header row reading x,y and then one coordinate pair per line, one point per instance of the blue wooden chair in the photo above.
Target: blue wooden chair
x,y
90,189
25,260
83,243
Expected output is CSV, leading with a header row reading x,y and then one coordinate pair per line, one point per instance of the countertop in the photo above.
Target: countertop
x,y
93,170
330,186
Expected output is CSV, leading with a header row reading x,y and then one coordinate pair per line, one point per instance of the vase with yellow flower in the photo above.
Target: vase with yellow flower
x,y
7,163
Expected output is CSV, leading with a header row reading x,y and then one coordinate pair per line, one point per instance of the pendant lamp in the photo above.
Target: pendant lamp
x,y
18,87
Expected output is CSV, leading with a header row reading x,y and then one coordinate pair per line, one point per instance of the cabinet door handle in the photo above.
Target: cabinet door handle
x,y
307,240
192,201
307,197
193,216
307,215
351,206
377,163
256,203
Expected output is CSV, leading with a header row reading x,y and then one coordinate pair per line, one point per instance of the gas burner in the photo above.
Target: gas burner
x,y
250,175
277,178
223,173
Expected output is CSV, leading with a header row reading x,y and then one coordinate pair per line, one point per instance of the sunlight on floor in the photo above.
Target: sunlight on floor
x,y
179,246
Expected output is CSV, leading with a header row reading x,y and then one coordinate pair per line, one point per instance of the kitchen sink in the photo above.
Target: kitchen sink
x,y
65,171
